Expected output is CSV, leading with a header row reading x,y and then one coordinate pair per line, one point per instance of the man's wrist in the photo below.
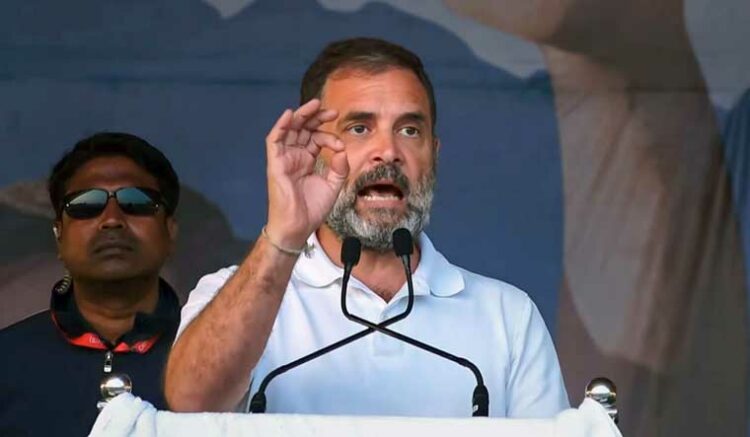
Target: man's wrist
x,y
284,247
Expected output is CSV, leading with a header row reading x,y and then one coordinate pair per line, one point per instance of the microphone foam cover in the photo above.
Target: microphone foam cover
x,y
350,251
402,243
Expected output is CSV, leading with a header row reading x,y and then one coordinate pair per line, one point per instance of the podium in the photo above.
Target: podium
x,y
127,415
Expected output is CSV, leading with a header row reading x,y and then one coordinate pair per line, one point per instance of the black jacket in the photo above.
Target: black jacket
x,y
49,385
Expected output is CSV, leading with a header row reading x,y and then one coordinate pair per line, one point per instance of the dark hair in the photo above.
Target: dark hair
x,y
129,146
369,54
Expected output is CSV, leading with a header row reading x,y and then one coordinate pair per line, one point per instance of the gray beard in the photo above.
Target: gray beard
x,y
376,232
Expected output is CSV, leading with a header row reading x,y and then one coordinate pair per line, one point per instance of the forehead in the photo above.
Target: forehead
x,y
110,172
392,90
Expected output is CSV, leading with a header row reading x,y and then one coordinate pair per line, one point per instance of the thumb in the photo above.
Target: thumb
x,y
338,170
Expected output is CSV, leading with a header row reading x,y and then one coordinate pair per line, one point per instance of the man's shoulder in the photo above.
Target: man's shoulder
x,y
28,328
205,290
471,284
222,275
492,287
209,284
27,340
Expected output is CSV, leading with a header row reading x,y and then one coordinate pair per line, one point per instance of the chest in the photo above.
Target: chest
x,y
63,380
377,374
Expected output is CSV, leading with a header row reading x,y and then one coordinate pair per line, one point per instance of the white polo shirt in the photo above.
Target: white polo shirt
x,y
489,322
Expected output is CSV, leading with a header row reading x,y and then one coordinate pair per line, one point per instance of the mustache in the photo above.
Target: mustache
x,y
389,171
112,237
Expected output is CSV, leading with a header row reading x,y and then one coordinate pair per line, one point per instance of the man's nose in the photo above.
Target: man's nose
x,y
112,216
386,148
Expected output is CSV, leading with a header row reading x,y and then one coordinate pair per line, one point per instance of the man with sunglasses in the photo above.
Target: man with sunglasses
x,y
112,318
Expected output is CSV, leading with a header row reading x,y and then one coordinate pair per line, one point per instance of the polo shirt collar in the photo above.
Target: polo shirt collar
x,y
442,278
164,319
434,274
316,269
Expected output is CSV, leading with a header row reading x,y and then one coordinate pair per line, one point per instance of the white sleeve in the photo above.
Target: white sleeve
x,y
206,289
535,384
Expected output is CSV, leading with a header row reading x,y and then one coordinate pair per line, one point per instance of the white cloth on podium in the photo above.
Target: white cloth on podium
x,y
127,415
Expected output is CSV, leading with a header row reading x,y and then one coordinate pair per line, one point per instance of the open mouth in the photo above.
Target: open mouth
x,y
381,191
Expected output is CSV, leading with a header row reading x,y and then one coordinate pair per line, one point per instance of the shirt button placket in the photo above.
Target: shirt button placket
x,y
383,344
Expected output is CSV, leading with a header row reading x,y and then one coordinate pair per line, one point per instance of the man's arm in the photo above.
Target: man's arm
x,y
648,209
652,257
210,363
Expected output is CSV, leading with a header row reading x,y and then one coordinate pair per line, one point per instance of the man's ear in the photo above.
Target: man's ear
x,y
56,229
57,232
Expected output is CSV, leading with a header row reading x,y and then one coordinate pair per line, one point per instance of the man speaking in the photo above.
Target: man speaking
x,y
358,159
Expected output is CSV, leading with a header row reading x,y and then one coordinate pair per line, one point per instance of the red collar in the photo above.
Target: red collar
x,y
147,328
92,340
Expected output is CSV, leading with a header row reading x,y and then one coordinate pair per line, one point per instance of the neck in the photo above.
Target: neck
x,y
110,306
382,272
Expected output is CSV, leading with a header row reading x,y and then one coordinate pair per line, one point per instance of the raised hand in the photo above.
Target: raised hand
x,y
298,198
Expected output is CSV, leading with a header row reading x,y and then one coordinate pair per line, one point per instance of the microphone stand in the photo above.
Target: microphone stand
x,y
480,398
258,401
350,256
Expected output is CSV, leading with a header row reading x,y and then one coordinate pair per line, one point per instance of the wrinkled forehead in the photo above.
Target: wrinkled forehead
x,y
350,86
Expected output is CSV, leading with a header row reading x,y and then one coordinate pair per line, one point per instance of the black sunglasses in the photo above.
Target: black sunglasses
x,y
89,203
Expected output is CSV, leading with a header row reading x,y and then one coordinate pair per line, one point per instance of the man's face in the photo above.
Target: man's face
x,y
384,122
114,246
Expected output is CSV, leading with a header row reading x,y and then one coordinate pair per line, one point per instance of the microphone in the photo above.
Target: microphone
x,y
402,243
403,246
350,252
351,248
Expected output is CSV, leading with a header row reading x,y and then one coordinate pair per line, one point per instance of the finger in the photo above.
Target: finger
x,y
290,140
328,140
323,116
337,171
304,113
313,148
279,130
303,137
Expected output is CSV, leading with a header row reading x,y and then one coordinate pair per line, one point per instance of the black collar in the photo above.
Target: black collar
x,y
163,320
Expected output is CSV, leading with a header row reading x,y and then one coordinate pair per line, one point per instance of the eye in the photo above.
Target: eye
x,y
409,131
358,129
